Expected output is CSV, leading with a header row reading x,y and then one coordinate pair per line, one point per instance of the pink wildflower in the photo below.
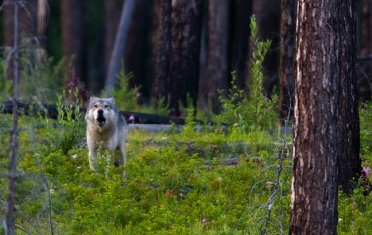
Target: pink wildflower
x,y
71,84
366,170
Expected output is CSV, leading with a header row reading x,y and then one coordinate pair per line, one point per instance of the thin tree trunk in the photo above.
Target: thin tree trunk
x,y
14,138
119,47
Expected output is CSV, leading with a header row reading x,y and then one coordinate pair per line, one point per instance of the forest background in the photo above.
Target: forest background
x,y
218,43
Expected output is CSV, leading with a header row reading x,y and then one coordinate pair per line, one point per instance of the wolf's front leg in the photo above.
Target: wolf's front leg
x,y
123,155
92,158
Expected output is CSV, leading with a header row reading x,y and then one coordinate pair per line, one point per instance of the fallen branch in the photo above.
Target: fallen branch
x,y
51,111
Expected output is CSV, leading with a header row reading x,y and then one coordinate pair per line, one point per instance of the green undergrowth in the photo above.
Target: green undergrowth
x,y
192,182
176,182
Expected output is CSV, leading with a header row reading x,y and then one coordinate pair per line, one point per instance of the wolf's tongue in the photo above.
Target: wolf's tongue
x,y
101,121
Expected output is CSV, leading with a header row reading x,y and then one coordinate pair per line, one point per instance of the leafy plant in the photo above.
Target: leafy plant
x,y
253,110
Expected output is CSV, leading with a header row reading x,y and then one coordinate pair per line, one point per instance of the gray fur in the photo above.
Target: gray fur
x,y
106,126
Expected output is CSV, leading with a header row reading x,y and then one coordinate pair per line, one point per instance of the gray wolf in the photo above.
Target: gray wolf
x,y
105,127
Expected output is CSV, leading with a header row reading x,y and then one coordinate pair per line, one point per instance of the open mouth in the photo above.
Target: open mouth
x,y
100,121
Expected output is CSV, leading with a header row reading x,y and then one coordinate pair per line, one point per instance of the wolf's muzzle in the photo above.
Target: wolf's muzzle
x,y
101,120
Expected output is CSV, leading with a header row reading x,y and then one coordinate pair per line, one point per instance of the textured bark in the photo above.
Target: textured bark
x,y
287,44
322,132
218,52
72,33
185,48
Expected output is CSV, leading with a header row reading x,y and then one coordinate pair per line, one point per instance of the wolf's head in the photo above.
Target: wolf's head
x,y
101,111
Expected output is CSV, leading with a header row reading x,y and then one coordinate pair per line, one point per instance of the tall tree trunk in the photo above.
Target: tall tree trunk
x,y
365,34
138,50
349,162
10,210
287,44
163,50
268,21
218,52
72,33
240,13
185,48
324,61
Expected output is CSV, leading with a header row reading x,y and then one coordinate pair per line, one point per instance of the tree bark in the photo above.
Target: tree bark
x,y
218,78
268,19
287,44
185,48
137,50
350,167
365,40
163,51
72,33
240,13
324,100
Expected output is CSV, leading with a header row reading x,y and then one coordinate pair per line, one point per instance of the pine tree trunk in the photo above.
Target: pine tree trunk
x,y
268,18
137,49
240,13
349,168
185,48
218,52
72,33
287,44
163,50
324,102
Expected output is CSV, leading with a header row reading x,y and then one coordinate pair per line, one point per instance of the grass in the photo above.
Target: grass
x,y
177,183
